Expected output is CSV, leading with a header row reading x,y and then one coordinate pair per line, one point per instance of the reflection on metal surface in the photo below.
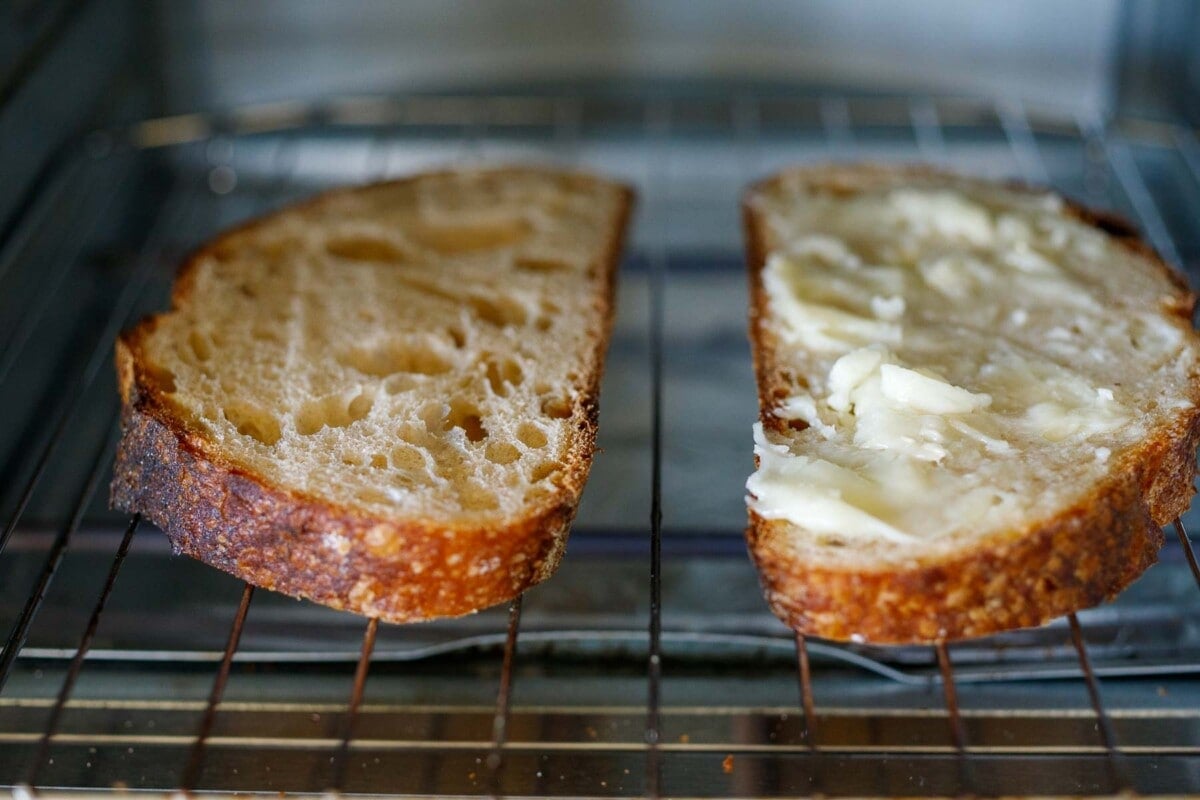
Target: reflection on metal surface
x,y
625,641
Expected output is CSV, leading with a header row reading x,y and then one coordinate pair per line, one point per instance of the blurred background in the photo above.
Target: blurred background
x,y
69,64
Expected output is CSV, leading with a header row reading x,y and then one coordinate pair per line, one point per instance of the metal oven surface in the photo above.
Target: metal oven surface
x,y
648,665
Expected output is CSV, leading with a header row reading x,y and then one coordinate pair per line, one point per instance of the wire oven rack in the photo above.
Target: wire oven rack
x,y
630,673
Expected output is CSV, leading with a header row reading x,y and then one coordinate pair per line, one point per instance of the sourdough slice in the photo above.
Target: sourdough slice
x,y
384,399
978,403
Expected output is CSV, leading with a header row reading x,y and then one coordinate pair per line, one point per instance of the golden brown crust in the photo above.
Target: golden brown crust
x,y
1078,558
396,570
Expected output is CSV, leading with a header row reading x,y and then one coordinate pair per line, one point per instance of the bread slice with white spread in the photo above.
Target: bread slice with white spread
x,y
978,403
383,399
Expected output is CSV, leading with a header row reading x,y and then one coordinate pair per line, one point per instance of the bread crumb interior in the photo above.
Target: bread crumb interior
x,y
417,348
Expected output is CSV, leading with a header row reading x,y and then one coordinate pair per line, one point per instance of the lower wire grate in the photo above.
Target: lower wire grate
x,y
127,668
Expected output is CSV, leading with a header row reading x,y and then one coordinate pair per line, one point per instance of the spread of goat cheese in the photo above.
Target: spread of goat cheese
x,y
943,336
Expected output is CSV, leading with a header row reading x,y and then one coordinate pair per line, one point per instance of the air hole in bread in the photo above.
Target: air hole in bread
x,y
499,388
512,372
500,312
503,375
266,334
541,264
360,406
543,471
366,248
252,421
543,323
550,307
200,345
396,355
502,453
531,435
452,239
431,414
332,411
473,426
352,459
379,461
457,336
465,415
556,408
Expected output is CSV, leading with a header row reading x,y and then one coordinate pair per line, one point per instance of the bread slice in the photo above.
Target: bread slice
x,y
384,399
978,403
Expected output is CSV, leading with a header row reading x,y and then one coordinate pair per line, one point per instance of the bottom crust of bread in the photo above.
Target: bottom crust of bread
x,y
1083,556
307,549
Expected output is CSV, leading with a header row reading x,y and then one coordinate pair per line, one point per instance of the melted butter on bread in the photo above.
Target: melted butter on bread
x,y
953,342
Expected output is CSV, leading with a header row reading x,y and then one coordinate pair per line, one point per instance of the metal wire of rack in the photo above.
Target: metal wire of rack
x,y
868,744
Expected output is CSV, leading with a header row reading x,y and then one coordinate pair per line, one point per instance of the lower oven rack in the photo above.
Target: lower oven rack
x,y
648,666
